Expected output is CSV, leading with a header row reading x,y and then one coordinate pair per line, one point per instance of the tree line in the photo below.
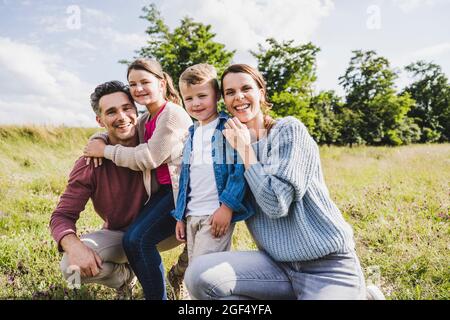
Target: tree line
x,y
371,112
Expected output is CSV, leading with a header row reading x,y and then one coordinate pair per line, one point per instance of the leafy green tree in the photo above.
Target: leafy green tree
x,y
190,43
388,115
290,72
350,123
431,91
370,93
408,131
327,105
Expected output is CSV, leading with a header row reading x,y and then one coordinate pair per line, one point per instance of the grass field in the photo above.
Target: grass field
x,y
396,199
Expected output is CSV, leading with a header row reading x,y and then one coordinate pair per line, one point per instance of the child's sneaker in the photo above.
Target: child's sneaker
x,y
184,293
125,292
179,291
175,282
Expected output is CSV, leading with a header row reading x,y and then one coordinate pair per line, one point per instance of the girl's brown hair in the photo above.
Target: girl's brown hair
x,y
259,79
155,68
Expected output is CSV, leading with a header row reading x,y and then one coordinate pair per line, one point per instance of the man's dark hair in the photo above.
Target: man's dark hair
x,y
108,88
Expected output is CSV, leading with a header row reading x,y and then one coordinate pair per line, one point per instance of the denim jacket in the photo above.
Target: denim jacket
x,y
228,172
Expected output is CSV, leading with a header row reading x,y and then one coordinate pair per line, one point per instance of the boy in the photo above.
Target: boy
x,y
212,194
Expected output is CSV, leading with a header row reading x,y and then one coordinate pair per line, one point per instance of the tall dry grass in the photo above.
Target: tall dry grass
x,y
397,200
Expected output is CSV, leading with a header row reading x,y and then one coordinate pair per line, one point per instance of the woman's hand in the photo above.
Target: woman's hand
x,y
239,137
94,150
237,134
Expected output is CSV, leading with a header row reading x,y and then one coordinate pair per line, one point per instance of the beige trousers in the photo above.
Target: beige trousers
x,y
115,268
199,238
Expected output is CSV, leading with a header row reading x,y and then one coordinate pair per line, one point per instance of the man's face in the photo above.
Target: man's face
x,y
119,116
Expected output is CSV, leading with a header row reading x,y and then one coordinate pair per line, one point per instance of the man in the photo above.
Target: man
x,y
117,193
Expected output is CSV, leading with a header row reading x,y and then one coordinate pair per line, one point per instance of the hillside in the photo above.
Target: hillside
x,y
396,199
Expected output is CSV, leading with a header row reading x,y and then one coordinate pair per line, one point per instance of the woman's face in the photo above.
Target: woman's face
x,y
242,96
145,87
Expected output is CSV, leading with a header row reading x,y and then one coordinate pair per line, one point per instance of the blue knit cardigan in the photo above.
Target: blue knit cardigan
x,y
295,219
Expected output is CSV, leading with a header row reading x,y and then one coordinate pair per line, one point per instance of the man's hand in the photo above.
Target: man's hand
x,y
220,221
81,255
180,231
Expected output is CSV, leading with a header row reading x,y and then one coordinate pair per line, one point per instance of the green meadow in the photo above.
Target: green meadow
x,y
396,199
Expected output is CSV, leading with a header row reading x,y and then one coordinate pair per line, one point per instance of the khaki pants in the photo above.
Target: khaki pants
x,y
115,268
199,238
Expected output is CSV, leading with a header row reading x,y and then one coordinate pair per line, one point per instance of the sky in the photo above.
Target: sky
x,y
54,53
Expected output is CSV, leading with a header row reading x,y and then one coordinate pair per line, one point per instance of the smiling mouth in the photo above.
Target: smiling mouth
x,y
123,126
242,107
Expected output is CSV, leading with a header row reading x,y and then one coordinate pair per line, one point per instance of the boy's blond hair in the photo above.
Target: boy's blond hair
x,y
200,73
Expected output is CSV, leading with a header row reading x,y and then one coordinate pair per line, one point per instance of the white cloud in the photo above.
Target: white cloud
x,y
94,27
120,39
241,25
432,51
97,15
62,20
411,5
36,88
30,112
80,44
427,53
53,24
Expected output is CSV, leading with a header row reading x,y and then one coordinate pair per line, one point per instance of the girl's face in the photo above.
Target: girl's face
x,y
242,96
145,87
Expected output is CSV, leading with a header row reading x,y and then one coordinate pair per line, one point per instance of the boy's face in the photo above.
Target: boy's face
x,y
200,101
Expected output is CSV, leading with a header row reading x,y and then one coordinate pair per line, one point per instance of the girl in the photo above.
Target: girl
x,y
162,129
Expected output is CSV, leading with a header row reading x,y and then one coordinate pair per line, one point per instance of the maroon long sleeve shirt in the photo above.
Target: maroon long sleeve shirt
x,y
118,194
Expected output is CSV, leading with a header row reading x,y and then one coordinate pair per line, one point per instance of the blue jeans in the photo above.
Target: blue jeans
x,y
254,275
153,225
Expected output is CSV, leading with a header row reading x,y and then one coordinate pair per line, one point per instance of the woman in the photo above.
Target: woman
x,y
306,249
162,129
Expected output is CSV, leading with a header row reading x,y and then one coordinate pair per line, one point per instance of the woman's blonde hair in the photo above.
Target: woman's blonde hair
x,y
153,66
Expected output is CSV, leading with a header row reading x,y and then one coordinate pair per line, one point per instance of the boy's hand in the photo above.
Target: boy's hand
x,y
180,231
221,221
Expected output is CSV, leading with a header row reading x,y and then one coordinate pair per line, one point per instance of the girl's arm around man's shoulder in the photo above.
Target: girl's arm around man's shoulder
x,y
165,144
